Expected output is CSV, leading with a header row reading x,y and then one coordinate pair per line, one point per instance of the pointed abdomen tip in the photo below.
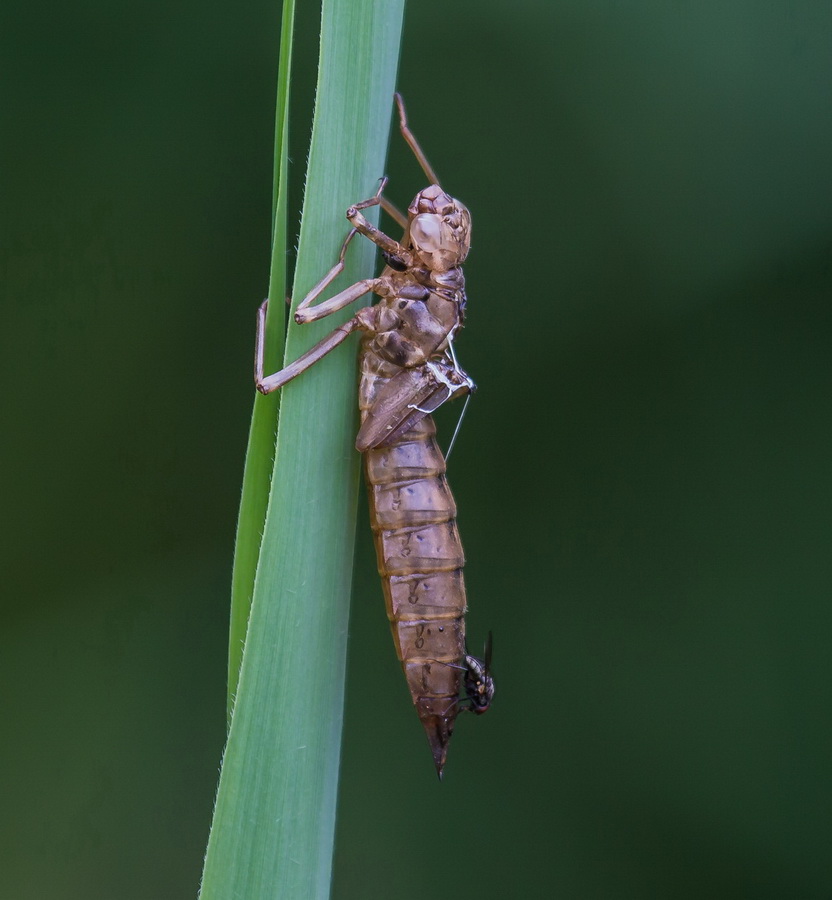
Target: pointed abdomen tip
x,y
438,730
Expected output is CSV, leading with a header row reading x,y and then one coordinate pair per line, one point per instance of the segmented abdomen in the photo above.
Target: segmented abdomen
x,y
420,560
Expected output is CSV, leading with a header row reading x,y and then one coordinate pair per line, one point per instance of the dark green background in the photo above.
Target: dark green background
x,y
643,478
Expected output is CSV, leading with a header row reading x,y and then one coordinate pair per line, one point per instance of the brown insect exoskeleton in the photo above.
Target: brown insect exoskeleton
x,y
409,369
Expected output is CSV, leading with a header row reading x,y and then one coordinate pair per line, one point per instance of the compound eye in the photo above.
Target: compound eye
x,y
426,232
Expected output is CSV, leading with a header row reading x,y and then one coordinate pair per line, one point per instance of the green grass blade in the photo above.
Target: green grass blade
x,y
274,820
263,430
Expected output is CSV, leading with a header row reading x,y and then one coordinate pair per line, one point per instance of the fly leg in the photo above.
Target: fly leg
x,y
408,135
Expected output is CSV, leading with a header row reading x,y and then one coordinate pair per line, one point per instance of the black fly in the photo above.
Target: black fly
x,y
479,683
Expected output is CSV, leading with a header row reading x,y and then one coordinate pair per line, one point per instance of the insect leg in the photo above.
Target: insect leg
x,y
349,294
271,383
394,212
378,237
375,200
304,313
330,276
408,135
390,208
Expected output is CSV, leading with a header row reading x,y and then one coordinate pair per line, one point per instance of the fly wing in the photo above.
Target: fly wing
x,y
406,399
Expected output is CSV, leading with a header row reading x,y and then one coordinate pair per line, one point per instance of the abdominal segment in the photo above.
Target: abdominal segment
x,y
420,561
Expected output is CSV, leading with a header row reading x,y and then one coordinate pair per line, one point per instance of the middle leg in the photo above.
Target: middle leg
x,y
303,314
267,384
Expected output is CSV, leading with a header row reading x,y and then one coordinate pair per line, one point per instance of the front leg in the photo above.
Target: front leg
x,y
379,238
365,319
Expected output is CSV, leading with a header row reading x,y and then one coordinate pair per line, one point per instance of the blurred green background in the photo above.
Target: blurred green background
x,y
643,478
